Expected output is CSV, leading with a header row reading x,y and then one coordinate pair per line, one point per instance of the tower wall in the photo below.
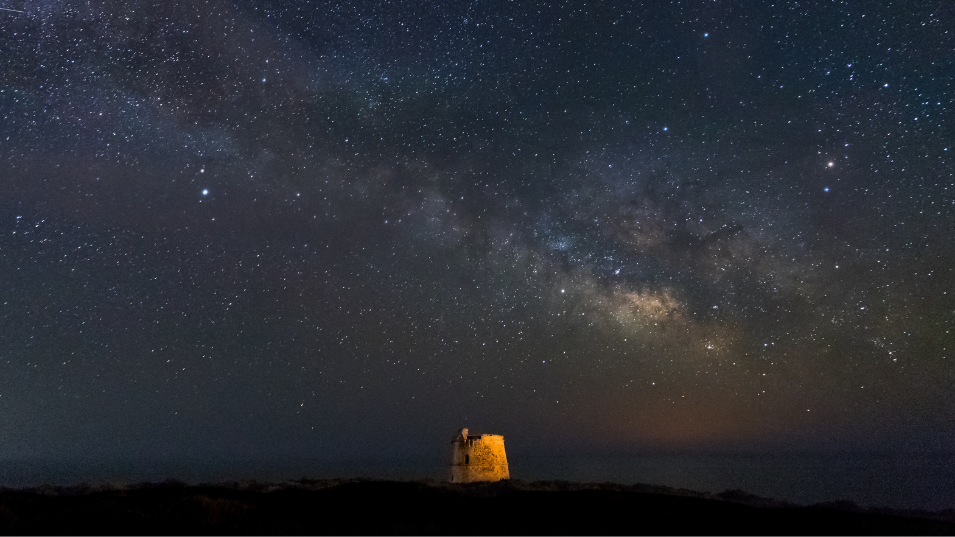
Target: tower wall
x,y
478,458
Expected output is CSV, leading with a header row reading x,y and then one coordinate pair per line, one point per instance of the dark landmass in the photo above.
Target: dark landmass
x,y
431,507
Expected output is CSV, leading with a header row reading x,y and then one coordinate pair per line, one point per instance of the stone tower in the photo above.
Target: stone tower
x,y
478,458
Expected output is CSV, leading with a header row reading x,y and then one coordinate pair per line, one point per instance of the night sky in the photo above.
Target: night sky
x,y
244,230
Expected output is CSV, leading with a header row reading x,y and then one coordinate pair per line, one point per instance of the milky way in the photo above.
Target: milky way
x,y
263,230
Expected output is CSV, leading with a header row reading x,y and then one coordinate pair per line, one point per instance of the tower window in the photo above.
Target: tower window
x,y
467,459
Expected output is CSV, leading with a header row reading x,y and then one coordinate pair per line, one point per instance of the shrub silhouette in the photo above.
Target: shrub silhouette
x,y
221,513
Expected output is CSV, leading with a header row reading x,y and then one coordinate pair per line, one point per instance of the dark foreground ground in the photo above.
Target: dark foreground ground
x,y
381,507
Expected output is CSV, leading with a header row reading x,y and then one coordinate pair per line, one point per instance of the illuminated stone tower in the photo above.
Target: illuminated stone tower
x,y
478,458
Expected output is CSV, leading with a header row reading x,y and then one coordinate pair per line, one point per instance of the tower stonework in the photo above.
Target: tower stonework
x,y
478,458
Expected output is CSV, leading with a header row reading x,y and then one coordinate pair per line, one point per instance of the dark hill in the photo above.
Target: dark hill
x,y
383,507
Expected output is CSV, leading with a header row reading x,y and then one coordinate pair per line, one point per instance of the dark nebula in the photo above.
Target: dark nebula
x,y
266,231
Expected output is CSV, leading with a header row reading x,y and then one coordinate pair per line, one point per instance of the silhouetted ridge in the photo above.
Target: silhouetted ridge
x,y
431,507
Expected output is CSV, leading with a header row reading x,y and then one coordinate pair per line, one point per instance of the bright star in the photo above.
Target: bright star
x,y
205,192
